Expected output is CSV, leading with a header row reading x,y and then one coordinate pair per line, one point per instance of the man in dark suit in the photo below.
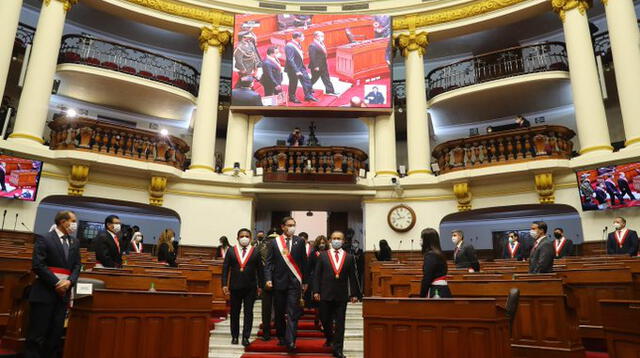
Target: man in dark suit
x,y
107,243
623,241
285,273
514,249
56,262
272,72
613,191
563,246
335,283
244,95
3,174
601,194
318,62
374,97
464,254
296,71
542,253
623,184
245,267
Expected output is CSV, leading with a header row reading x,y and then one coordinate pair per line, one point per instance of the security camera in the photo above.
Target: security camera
x,y
236,169
394,181
397,187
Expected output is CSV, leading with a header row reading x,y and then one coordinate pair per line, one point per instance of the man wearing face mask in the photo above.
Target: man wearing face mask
x,y
542,252
241,272
562,245
334,284
56,262
285,273
464,254
623,241
259,238
513,250
107,244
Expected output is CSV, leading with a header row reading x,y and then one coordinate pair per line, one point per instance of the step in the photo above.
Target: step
x,y
304,345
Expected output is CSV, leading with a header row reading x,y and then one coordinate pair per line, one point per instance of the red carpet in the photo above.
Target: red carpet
x,y
596,355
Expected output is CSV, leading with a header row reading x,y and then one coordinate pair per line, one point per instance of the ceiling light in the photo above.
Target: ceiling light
x,y
71,113
164,132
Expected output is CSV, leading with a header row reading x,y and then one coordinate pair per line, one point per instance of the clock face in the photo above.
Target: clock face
x,y
401,218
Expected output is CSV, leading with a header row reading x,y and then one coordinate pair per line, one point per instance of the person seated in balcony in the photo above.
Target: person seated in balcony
x,y
522,122
375,97
296,139
271,78
244,95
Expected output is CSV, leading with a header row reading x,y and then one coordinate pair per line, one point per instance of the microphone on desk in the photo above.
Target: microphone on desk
x,y
25,226
411,244
604,238
400,245
4,215
15,223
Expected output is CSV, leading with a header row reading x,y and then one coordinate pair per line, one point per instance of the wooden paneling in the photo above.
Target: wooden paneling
x,y
621,319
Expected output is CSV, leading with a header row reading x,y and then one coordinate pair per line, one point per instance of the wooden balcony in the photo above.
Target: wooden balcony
x,y
506,147
131,143
310,164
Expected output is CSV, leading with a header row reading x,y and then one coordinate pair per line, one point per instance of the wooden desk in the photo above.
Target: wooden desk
x,y
135,324
362,60
126,281
621,319
418,328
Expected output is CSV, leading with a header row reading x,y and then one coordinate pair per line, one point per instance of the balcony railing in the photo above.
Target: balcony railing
x,y
304,164
130,60
515,61
602,46
508,147
24,35
131,143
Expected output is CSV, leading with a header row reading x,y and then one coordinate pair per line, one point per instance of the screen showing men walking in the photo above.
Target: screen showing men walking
x,y
610,187
19,177
312,61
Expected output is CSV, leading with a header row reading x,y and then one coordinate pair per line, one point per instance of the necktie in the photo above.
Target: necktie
x,y
115,238
337,257
244,252
289,244
455,254
65,246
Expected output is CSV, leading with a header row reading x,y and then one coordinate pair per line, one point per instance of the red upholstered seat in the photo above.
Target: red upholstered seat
x,y
163,78
146,74
92,61
109,64
180,83
71,57
128,69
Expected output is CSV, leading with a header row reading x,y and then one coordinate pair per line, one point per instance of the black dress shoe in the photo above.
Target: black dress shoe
x,y
294,100
281,342
234,340
245,341
311,99
291,348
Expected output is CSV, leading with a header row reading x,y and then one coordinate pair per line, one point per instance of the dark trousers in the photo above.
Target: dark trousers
x,y
46,327
4,188
239,298
332,315
323,74
304,80
627,191
267,305
613,195
288,301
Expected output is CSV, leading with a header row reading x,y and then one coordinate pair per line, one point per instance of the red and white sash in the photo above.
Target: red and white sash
x,y
137,247
337,265
223,252
512,252
308,249
288,259
60,273
621,237
242,261
559,244
298,48
321,45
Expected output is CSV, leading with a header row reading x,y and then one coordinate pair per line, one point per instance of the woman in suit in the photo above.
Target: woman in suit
x,y
222,249
385,251
434,268
166,251
135,245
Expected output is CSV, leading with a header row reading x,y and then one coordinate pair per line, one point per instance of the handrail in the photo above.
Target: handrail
x,y
514,61
24,34
505,147
130,60
131,143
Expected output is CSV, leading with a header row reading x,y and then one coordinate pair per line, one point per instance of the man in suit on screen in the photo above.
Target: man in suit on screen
x,y
271,78
3,175
244,95
296,70
318,62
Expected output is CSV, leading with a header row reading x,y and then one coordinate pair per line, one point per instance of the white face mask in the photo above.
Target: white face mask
x,y
336,244
291,230
139,238
511,240
73,227
454,239
116,228
617,226
244,241
533,233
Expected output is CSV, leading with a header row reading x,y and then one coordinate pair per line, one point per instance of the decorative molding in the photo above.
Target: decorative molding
x,y
413,41
595,148
78,178
202,166
66,3
419,171
387,172
157,188
447,15
27,136
545,188
562,6
632,141
212,36
214,17
463,195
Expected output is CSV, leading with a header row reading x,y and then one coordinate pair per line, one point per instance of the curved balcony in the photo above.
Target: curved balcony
x,y
24,35
508,147
310,164
104,138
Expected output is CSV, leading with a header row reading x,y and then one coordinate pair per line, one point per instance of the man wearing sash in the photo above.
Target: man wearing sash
x,y
244,264
623,240
513,250
285,273
562,245
335,283
56,263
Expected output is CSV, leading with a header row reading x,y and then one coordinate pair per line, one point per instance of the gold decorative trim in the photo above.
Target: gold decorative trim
x,y
78,178
632,141
49,174
414,41
416,198
226,170
419,171
201,166
157,188
562,6
545,188
208,195
463,195
214,17
386,172
66,3
595,148
26,136
212,36
452,14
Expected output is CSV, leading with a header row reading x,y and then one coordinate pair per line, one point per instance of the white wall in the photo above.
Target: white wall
x,y
313,225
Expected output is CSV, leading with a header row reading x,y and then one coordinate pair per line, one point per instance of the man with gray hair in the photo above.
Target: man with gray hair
x,y
464,254
318,62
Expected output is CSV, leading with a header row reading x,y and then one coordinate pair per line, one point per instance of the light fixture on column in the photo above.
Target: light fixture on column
x,y
164,132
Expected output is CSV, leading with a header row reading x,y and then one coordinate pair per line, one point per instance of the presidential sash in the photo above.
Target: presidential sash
x,y
337,266
243,261
288,259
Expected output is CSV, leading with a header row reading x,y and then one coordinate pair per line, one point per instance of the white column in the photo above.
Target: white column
x,y
418,147
34,100
10,10
625,46
591,119
251,125
236,149
212,43
371,125
385,145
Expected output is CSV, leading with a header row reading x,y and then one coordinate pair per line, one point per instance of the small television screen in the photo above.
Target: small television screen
x,y
19,177
326,60
610,187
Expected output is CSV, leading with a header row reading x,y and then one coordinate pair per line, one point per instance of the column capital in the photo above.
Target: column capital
x,y
545,188
413,41
463,195
66,3
562,6
213,36
78,178
157,188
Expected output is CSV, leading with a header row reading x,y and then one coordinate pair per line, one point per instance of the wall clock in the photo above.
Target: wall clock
x,y
401,218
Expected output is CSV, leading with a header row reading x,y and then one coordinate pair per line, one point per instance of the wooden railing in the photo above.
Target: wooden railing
x,y
337,164
131,143
508,147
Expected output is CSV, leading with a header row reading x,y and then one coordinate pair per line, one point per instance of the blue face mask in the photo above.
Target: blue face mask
x,y
336,244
